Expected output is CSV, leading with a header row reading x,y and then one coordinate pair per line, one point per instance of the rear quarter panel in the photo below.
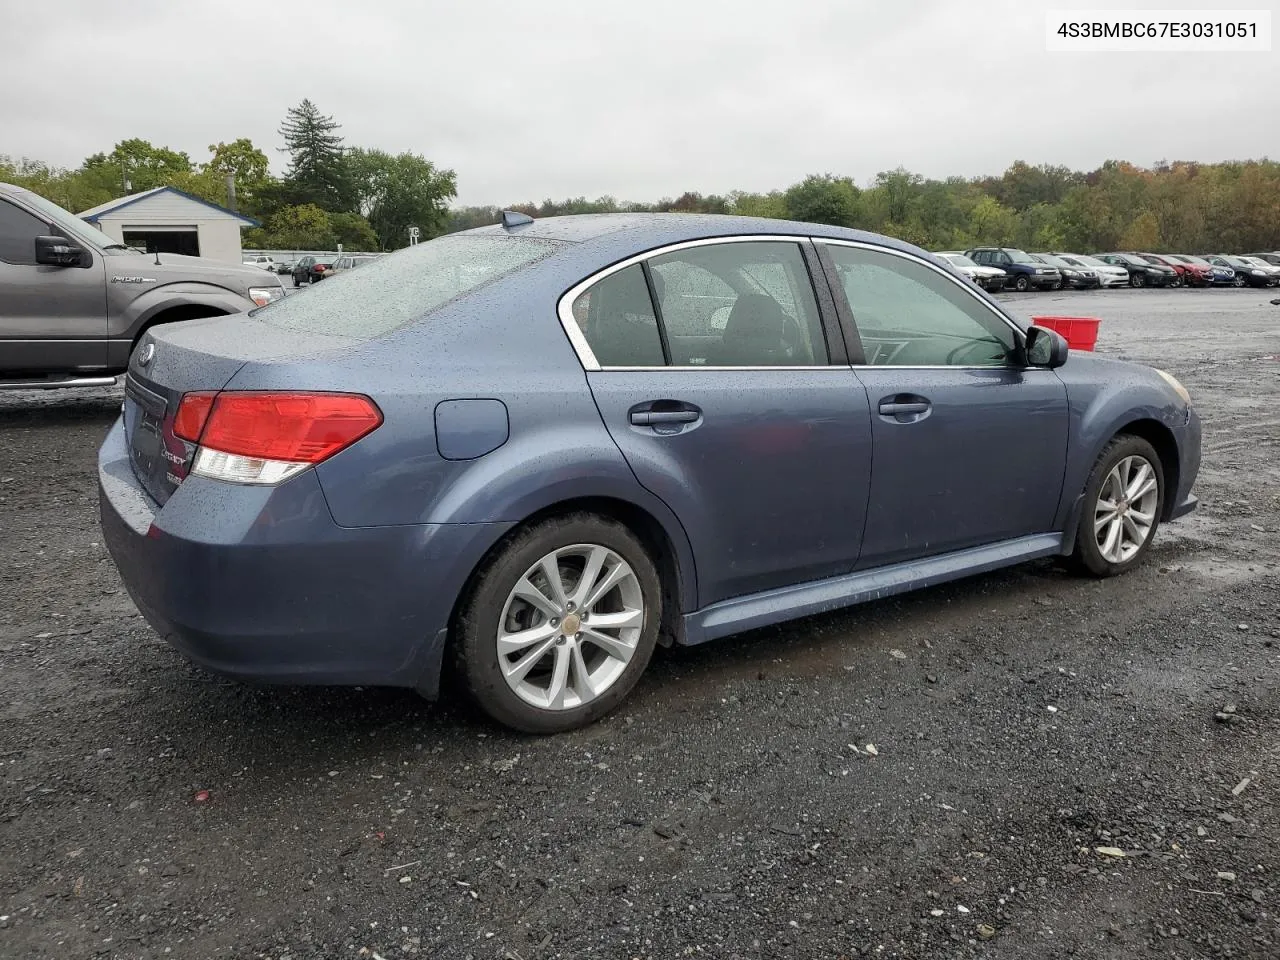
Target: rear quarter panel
x,y
503,343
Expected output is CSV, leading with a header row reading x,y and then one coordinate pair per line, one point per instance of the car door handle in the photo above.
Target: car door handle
x,y
894,409
648,418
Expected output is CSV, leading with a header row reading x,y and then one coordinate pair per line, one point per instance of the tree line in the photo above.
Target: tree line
x,y
365,199
1183,207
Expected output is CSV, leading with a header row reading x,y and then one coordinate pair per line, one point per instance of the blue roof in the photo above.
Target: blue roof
x,y
93,215
644,231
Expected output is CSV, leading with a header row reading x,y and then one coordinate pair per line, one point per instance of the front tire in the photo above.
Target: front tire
x,y
556,629
1123,500
1137,280
1021,283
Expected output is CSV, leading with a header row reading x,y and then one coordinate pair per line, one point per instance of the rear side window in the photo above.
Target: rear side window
x,y
739,304
617,318
18,232
397,290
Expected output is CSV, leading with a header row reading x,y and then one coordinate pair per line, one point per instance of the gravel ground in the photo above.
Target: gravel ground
x,y
1026,726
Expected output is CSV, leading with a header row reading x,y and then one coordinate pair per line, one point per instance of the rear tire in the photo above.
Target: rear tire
x,y
1121,512
512,644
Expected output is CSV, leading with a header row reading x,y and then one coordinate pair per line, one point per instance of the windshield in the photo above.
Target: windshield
x,y
959,259
1053,261
1085,261
1150,258
1130,258
399,289
75,226
1019,256
1199,261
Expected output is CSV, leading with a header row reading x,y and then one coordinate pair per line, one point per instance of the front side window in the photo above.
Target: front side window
x,y
910,315
18,232
739,304
617,319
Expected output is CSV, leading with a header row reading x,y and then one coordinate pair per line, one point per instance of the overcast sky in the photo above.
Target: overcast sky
x,y
529,99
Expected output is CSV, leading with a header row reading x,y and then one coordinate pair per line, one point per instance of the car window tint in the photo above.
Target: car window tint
x,y
18,232
908,314
739,304
617,318
406,286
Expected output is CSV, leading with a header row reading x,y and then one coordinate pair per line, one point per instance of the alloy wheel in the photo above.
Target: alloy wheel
x,y
1125,513
570,626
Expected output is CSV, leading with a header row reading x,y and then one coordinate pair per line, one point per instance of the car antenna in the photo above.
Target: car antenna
x,y
512,218
158,263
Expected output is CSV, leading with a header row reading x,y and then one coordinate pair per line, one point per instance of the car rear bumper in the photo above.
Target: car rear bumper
x,y
260,583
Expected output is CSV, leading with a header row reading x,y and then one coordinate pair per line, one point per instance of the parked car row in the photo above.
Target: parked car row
x,y
995,268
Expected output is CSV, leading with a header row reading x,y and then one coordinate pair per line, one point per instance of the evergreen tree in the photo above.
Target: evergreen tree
x,y
317,171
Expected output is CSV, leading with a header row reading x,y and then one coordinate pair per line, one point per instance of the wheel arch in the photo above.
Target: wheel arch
x,y
1146,427
1165,445
670,555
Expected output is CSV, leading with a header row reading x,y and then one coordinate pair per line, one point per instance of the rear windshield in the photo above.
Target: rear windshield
x,y
396,290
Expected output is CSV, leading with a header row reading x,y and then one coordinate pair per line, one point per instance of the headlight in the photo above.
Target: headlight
x,y
1070,273
1041,270
1255,273
1178,388
264,295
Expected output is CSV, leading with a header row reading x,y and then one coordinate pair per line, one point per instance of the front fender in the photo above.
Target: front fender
x,y
1104,397
127,320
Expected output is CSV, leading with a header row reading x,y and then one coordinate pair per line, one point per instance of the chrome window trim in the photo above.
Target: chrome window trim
x,y
1018,333
564,306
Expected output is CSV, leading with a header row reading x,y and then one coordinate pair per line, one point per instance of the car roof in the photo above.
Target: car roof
x,y
643,231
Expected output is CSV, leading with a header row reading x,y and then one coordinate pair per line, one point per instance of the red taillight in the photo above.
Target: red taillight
x,y
297,427
193,411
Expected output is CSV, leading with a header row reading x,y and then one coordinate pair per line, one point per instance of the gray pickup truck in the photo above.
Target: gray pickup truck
x,y
73,301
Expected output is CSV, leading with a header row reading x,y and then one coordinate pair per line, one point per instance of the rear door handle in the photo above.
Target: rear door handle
x,y
648,418
892,409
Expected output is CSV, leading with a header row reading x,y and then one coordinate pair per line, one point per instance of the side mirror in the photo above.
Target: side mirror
x,y
1045,348
59,252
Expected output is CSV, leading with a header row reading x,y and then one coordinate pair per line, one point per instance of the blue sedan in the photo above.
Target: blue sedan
x,y
541,448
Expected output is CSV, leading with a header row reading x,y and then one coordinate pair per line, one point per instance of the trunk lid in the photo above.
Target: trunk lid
x,y
195,355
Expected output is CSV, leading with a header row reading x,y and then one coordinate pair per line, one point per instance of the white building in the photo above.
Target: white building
x,y
168,220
